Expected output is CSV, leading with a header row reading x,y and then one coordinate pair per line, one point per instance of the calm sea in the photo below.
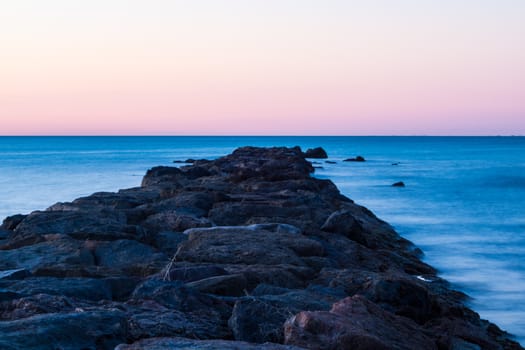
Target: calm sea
x,y
463,204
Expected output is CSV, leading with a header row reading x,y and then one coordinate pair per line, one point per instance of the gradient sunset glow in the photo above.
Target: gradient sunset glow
x,y
253,67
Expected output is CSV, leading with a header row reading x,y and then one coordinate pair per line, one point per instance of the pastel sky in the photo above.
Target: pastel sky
x,y
277,67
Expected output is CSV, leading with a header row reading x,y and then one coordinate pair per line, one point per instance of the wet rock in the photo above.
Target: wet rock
x,y
398,184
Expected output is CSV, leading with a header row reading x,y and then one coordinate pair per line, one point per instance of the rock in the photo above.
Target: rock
x,y
191,344
168,242
100,225
193,273
232,285
260,319
148,319
130,257
356,159
69,331
344,222
317,153
330,162
354,323
35,305
11,222
173,221
14,274
175,295
403,297
398,184
81,288
244,245
47,254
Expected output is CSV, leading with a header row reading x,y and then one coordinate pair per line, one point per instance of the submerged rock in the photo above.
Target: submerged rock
x,y
248,247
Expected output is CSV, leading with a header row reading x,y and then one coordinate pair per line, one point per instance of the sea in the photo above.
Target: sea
x,y
463,202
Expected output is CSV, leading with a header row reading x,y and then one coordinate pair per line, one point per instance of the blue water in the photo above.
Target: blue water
x,y
463,204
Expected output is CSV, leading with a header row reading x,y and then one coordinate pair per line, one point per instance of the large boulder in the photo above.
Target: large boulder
x,y
246,245
317,152
67,331
355,323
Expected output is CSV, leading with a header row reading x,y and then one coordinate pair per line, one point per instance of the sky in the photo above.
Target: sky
x,y
262,67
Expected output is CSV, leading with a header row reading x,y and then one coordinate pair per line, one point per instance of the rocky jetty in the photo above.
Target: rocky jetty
x,y
248,251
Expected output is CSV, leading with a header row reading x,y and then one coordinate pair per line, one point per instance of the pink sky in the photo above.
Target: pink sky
x,y
288,67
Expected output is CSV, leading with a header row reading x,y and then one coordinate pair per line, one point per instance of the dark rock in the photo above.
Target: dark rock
x,y
150,320
356,159
288,276
317,153
330,162
245,245
130,257
355,323
175,295
187,344
35,305
398,184
76,330
260,319
403,297
344,222
194,273
14,274
173,221
168,242
81,288
46,254
232,285
11,222
100,225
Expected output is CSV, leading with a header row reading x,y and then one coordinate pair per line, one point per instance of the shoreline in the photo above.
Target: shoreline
x,y
374,272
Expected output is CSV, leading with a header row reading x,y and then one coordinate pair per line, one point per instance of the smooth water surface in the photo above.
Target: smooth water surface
x,y
463,204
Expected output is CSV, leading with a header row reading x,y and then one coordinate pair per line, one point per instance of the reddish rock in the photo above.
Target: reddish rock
x,y
354,323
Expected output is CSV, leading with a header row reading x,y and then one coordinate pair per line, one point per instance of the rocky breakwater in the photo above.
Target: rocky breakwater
x,y
248,251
